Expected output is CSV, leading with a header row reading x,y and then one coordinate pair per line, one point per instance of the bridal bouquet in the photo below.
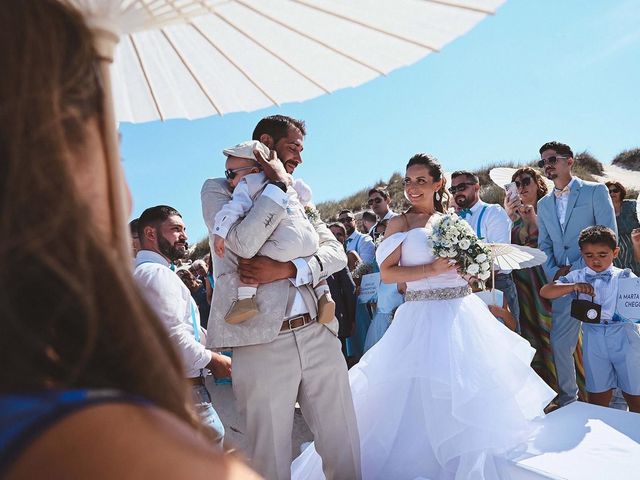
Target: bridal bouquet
x,y
453,238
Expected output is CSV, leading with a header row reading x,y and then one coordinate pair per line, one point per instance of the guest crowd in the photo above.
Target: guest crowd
x,y
546,208
103,352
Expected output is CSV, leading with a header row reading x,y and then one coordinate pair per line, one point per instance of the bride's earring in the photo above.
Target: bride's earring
x,y
437,195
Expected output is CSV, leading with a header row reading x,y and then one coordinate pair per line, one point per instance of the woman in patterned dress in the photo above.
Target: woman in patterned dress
x,y
535,311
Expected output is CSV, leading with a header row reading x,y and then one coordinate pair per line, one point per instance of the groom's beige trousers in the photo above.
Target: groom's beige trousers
x,y
304,365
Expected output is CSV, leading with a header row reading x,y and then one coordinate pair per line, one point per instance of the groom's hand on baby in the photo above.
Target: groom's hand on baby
x,y
263,270
218,245
273,167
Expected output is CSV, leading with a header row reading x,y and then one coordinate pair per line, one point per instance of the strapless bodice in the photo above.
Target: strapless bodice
x,y
417,250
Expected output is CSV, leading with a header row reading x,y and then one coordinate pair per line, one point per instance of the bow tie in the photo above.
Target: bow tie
x,y
464,212
606,276
560,193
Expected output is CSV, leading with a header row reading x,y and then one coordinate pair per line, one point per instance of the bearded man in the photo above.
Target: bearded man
x,y
163,240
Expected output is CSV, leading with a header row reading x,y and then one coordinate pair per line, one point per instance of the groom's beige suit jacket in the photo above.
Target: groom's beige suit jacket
x,y
244,240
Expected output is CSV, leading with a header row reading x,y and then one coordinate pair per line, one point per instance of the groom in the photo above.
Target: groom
x,y
282,355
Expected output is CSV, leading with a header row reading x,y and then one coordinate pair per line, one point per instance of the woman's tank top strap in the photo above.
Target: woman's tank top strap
x,y
25,416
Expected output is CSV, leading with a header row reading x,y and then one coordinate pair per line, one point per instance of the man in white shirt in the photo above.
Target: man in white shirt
x,y
379,200
563,213
163,240
361,243
491,223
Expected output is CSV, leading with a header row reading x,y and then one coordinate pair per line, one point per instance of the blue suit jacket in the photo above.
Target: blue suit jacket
x,y
589,204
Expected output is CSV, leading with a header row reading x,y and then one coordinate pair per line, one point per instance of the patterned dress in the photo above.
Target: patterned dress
x,y
626,222
535,313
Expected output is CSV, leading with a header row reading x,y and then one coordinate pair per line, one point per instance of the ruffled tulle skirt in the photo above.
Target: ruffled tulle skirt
x,y
447,393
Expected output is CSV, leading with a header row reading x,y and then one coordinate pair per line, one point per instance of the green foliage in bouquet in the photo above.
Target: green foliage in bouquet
x,y
453,238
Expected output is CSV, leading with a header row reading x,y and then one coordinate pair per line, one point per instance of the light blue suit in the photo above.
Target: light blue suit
x,y
589,204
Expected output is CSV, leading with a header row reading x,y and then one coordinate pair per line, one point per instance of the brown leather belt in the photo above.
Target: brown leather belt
x,y
296,322
196,380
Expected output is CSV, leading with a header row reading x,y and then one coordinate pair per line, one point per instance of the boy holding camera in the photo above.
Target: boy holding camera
x,y
610,343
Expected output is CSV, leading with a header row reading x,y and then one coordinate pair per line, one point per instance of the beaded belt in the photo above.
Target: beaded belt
x,y
437,293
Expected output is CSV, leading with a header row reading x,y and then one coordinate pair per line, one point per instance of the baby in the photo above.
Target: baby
x,y
294,236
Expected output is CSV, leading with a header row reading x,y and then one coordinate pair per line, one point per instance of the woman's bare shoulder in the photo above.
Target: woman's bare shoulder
x,y
397,224
124,441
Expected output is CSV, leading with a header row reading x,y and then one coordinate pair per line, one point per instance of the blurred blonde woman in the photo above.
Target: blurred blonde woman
x,y
91,387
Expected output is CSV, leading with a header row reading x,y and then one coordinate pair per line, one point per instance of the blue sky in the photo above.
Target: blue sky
x,y
538,70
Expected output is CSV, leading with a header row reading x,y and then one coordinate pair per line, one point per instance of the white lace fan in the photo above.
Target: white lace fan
x,y
507,256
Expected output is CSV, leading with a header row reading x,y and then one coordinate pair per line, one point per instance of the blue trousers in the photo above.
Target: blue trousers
x,y
564,338
209,416
505,283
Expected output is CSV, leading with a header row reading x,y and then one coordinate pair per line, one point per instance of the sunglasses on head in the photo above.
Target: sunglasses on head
x,y
551,160
231,174
453,189
524,182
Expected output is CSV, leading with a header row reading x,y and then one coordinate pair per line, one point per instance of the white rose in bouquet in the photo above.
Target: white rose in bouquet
x,y
464,244
484,275
473,269
481,258
452,254
485,266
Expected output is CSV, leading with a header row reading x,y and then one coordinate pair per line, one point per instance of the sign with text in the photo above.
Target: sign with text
x,y
628,303
369,287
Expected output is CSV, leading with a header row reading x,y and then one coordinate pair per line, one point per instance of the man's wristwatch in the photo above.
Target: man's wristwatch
x,y
281,185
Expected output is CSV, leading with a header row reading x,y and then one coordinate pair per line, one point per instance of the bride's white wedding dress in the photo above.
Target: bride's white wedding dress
x,y
447,392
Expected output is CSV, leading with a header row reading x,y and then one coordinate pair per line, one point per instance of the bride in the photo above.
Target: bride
x,y
448,391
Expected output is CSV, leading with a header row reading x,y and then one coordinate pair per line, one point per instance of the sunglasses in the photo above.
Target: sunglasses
x,y
231,174
525,182
374,200
614,190
551,160
453,189
346,220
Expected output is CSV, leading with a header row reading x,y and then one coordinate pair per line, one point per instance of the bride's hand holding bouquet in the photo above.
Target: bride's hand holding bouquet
x,y
454,241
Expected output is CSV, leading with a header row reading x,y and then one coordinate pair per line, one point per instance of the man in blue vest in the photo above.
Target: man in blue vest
x,y
163,240
491,223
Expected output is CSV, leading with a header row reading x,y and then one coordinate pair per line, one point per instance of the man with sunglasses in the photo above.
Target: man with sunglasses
x,y
562,214
379,200
491,223
361,243
282,354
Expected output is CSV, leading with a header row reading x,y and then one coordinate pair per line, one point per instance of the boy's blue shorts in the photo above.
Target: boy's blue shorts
x,y
611,355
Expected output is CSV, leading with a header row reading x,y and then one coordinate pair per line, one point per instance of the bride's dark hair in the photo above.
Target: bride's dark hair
x,y
440,197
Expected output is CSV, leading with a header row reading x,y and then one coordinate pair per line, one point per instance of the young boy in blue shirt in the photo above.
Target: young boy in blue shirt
x,y
611,348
